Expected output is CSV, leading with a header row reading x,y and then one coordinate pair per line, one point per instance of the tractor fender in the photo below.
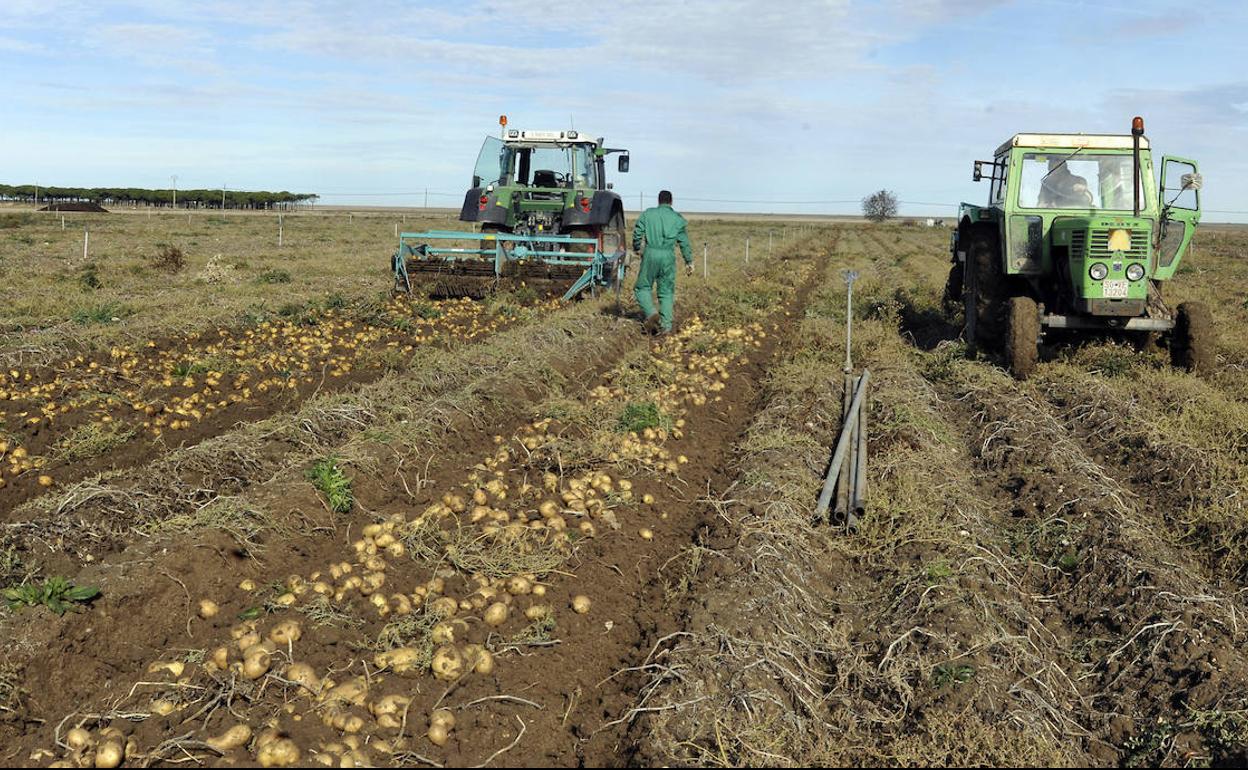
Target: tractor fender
x,y
471,212
602,207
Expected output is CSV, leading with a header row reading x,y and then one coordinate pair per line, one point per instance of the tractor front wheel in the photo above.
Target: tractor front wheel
x,y
1191,347
1023,345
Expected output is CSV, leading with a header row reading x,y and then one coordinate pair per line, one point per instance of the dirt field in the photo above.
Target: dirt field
x,y
331,528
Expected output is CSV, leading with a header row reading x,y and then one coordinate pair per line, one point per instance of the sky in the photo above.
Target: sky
x,y
795,106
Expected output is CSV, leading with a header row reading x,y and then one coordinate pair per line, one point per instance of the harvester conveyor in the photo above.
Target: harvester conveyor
x,y
539,257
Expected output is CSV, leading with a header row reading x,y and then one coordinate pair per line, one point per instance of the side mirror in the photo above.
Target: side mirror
x,y
978,173
623,164
1192,181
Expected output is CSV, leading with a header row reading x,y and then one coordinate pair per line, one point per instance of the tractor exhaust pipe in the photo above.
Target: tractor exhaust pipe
x,y
1137,130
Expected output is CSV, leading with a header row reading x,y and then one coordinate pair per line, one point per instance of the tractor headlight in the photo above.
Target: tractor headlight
x,y
1098,271
1135,272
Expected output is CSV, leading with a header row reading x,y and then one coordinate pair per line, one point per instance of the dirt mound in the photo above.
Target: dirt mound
x,y
82,208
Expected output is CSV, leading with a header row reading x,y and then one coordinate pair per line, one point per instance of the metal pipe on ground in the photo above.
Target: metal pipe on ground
x,y
858,497
842,447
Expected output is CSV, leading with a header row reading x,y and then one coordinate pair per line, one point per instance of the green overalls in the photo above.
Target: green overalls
x,y
662,228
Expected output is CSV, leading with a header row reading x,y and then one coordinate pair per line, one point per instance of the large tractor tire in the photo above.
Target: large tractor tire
x,y
984,296
1191,347
1022,346
954,286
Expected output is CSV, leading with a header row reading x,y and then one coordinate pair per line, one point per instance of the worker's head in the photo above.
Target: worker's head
x,y
665,197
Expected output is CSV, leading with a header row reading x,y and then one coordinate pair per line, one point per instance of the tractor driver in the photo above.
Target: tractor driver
x,y
662,228
1060,189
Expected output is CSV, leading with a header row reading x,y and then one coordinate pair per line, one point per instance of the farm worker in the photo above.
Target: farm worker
x,y
662,228
1061,189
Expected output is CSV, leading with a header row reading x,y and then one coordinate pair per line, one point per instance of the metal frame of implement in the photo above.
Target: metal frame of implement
x,y
597,264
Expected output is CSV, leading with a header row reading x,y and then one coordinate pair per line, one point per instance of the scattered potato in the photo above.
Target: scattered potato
x,y
208,609
78,739
448,663
233,738
581,604
278,753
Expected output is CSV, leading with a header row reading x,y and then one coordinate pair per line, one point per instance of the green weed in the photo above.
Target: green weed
x,y
639,415
101,314
335,485
55,593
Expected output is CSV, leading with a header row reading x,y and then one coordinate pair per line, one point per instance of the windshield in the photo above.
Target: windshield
x,y
1076,180
549,166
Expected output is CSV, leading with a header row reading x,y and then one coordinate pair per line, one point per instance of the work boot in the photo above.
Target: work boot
x,y
651,324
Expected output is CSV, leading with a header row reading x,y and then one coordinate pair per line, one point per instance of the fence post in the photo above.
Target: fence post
x,y
747,250
705,272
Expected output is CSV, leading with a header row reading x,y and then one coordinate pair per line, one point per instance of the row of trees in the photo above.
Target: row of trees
x,y
134,196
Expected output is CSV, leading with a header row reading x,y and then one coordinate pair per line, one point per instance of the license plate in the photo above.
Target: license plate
x,y
1114,289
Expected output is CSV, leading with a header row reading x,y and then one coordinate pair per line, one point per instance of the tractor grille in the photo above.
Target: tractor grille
x,y
1078,241
1100,245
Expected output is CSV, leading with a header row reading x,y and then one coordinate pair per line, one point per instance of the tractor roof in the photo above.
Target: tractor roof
x,y
1073,141
516,136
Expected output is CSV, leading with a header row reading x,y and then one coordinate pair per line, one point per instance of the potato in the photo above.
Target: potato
x,y
400,660
442,633
175,667
208,609
438,735
581,604
257,664
448,663
444,717
352,691
233,738
278,753
78,739
537,611
519,585
480,659
221,658
248,640
445,607
110,753
303,675
496,614
646,533
286,632
163,708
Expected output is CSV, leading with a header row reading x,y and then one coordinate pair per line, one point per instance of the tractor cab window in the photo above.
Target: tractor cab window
x,y
548,167
1000,172
584,167
1074,180
492,164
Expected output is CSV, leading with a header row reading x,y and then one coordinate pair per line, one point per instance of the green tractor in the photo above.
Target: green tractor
x,y
547,217
1075,236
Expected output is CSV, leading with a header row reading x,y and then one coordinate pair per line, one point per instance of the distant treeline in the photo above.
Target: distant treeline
x,y
135,197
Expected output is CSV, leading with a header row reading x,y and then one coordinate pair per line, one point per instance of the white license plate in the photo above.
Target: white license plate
x,y
1114,289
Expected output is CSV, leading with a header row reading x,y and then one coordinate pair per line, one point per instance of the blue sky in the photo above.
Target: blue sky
x,y
796,104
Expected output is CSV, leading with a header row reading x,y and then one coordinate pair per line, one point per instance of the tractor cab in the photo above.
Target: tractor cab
x,y
1076,224
544,182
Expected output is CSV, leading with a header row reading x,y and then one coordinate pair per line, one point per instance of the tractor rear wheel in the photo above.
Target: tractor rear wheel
x,y
1022,347
954,287
984,293
1191,347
